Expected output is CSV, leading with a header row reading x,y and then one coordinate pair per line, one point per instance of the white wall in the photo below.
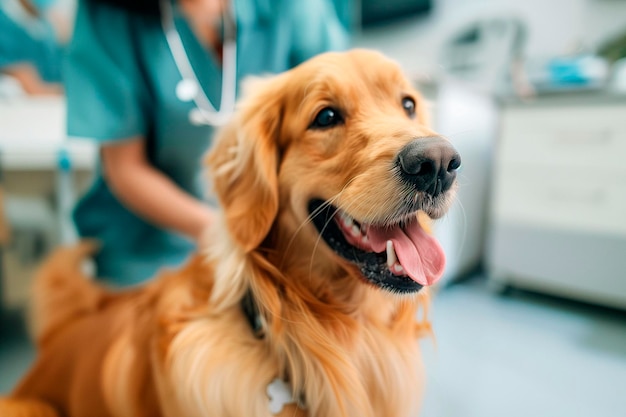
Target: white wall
x,y
554,27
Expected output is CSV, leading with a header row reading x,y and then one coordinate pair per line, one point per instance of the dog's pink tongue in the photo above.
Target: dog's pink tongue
x,y
419,253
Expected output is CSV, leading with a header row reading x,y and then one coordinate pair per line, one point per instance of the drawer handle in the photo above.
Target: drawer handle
x,y
601,138
589,197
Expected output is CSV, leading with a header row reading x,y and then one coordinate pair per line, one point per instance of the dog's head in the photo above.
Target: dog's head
x,y
328,164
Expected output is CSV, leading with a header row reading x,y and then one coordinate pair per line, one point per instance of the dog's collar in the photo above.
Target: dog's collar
x,y
253,315
278,391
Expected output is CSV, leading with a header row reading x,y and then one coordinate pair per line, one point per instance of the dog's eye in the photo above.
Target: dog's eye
x,y
409,106
327,117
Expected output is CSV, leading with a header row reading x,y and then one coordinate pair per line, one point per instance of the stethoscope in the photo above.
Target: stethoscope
x,y
189,87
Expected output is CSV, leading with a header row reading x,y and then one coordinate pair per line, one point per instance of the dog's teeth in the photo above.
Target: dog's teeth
x,y
355,230
392,259
365,239
346,220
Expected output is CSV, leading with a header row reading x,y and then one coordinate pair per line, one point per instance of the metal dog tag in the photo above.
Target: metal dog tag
x,y
279,394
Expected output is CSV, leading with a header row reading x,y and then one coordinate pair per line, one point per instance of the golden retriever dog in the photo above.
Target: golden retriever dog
x,y
308,299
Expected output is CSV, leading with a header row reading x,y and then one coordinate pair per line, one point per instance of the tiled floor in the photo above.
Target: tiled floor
x,y
522,355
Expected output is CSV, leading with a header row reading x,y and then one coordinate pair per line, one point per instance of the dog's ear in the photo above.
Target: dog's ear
x,y
244,164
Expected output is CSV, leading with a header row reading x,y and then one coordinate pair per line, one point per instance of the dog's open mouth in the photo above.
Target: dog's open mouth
x,y
400,258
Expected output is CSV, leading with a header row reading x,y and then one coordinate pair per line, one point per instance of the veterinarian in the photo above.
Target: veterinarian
x,y
150,80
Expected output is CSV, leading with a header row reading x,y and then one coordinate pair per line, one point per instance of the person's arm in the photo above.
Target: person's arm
x,y
32,84
148,192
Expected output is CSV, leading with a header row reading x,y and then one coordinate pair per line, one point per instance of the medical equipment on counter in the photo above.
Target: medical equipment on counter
x,y
484,51
568,73
189,87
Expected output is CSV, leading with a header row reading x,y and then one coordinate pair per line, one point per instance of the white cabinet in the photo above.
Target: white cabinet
x,y
558,218
32,138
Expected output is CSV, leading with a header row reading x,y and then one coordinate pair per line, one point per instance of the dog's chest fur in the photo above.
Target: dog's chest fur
x,y
217,367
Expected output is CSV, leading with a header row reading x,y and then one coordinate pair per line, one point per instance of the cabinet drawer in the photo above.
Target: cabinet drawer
x,y
575,136
572,200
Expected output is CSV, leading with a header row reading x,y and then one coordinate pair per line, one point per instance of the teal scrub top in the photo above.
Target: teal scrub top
x,y
120,82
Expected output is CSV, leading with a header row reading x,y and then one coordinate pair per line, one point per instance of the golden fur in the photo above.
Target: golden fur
x,y
181,346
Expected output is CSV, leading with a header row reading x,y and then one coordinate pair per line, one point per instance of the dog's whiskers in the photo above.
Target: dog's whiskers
x,y
317,211
309,219
463,236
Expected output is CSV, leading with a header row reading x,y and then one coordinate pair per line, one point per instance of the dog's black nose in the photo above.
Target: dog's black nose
x,y
429,164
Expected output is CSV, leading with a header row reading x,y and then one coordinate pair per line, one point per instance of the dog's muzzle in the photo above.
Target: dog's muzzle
x,y
429,164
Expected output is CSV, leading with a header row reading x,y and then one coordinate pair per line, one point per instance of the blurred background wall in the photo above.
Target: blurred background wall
x,y
555,28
